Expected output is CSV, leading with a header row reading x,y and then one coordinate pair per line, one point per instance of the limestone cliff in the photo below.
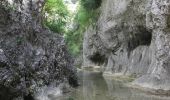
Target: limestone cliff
x,y
131,37
30,55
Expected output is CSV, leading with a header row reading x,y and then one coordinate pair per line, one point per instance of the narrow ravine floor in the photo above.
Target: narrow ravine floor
x,y
95,87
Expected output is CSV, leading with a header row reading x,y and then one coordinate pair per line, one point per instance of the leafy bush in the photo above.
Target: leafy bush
x,y
74,39
56,15
91,4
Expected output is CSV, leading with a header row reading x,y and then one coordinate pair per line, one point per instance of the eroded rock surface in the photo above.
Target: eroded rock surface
x,y
30,55
131,37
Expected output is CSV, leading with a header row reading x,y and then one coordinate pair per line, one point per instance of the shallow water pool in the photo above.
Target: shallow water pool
x,y
95,87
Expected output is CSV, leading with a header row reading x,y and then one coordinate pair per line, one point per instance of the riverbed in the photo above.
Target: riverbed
x,y
96,87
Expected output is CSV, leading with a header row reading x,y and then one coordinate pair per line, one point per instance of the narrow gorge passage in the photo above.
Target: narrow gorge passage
x,y
84,50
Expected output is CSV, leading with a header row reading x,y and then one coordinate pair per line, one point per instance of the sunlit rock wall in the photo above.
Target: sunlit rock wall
x,y
131,38
30,55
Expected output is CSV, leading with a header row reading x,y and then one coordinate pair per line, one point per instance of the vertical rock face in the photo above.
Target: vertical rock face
x,y
132,38
30,55
158,76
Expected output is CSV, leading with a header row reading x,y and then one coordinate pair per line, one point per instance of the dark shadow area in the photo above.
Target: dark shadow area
x,y
91,4
29,97
73,81
7,93
4,17
97,58
3,64
145,36
4,93
142,36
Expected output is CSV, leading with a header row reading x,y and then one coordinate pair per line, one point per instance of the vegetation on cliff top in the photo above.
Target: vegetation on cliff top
x,y
71,25
56,15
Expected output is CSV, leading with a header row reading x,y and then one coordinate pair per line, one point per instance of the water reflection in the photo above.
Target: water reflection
x,y
96,87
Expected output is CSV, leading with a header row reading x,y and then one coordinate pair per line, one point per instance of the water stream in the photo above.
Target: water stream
x,y
95,87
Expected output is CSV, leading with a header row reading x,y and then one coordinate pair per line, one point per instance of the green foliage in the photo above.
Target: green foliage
x,y
19,40
70,98
85,16
74,39
56,15
91,4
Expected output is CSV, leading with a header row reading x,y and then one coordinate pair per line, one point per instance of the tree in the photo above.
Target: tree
x,y
56,15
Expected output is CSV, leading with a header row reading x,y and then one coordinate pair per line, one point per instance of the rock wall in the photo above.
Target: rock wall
x,y
131,37
30,55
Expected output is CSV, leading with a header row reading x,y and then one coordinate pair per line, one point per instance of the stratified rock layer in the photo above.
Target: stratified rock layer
x,y
132,38
30,55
